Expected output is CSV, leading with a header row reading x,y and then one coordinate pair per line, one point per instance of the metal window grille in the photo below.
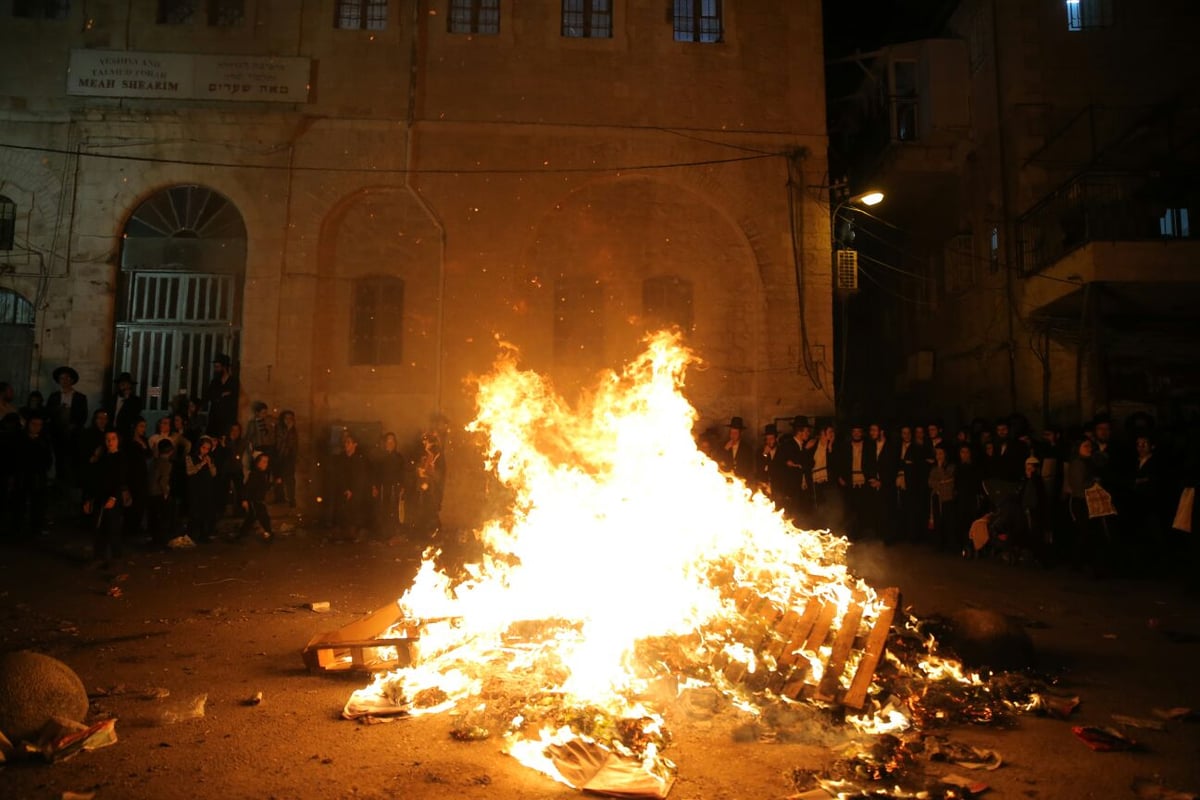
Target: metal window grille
x,y
667,303
226,13
474,16
376,321
698,21
8,223
41,9
15,309
176,12
587,19
846,279
370,15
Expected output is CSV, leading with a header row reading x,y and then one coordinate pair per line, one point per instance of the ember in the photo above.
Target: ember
x,y
644,571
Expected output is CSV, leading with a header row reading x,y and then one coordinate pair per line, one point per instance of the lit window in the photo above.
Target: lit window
x,y
8,223
226,13
578,320
1174,224
698,21
587,19
667,303
1085,14
367,15
41,9
176,12
994,249
376,321
474,16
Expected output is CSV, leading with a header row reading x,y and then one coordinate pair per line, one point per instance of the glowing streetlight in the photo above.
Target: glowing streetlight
x,y
871,198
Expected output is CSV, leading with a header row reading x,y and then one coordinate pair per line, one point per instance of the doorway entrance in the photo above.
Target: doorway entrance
x,y
182,269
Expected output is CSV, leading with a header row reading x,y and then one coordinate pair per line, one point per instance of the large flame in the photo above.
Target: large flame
x,y
620,530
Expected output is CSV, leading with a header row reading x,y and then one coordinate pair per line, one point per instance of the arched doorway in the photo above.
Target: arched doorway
x,y
16,341
182,265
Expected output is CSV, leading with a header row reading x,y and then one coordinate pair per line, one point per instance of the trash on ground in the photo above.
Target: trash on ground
x,y
964,755
1103,740
254,700
69,795
1139,722
319,607
593,768
64,738
1177,713
181,542
1146,789
115,591
193,710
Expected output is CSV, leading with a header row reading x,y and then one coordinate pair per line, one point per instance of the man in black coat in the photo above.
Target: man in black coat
x,y
737,456
126,406
66,416
351,475
221,396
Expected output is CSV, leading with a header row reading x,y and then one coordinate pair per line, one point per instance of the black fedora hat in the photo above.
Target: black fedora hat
x,y
222,359
770,429
737,424
799,422
125,377
58,373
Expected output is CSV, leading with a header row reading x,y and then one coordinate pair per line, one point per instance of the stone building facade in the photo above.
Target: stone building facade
x,y
1040,163
357,200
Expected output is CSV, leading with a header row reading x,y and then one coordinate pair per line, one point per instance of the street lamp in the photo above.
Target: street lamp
x,y
845,259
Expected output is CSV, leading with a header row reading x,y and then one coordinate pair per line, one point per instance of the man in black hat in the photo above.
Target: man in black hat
x,y
797,458
770,468
126,406
737,456
221,396
66,415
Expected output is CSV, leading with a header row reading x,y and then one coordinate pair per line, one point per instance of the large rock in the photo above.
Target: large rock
x,y
989,639
34,688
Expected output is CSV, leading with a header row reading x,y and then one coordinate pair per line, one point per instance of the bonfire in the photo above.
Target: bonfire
x,y
627,569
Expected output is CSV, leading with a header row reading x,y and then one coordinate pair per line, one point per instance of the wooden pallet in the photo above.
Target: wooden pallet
x,y
808,629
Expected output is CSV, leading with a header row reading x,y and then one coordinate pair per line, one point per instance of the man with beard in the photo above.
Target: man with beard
x,y
854,463
221,397
796,455
126,407
737,456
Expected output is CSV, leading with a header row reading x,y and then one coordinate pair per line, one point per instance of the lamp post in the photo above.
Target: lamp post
x,y
848,283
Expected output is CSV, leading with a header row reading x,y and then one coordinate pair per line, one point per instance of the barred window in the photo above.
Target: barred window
x,y
15,309
226,13
41,9
587,19
474,16
1084,15
176,12
667,303
367,15
578,320
698,21
376,320
8,223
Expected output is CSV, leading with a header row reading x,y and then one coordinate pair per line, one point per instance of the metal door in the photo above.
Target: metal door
x,y
176,322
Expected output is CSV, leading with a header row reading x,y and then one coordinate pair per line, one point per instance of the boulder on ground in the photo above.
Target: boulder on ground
x,y
33,689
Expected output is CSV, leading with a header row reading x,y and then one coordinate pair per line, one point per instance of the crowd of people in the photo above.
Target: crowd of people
x,y
170,484
1089,497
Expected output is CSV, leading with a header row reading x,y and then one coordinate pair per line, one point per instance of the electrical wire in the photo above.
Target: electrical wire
x,y
894,294
392,170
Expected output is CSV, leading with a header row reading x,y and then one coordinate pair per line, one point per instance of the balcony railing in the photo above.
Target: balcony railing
x,y
1102,207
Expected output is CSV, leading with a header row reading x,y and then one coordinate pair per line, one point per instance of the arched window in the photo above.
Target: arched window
x,y
667,303
182,259
8,223
376,322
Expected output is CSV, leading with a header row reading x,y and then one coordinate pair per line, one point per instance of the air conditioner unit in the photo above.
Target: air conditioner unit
x,y
846,279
